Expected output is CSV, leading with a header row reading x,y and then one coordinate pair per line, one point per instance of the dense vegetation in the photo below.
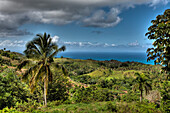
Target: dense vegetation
x,y
80,85
98,86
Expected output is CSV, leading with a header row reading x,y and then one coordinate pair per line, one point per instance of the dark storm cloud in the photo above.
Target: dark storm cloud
x,y
103,19
9,25
15,13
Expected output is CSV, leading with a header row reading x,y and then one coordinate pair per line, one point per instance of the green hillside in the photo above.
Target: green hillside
x,y
90,86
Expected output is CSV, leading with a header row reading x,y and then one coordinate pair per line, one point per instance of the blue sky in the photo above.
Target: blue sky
x,y
96,26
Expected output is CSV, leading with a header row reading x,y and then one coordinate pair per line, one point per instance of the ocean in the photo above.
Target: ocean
x,y
102,56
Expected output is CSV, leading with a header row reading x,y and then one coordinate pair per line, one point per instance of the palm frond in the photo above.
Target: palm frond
x,y
135,87
57,50
63,48
29,72
59,66
31,45
22,64
32,53
34,77
32,87
49,41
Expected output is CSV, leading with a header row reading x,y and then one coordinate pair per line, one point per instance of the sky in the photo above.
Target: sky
x,y
80,25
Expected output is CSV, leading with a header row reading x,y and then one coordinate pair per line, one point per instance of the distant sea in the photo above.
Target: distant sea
x,y
102,56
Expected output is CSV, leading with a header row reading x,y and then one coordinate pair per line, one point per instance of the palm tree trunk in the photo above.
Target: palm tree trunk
x,y
141,96
45,96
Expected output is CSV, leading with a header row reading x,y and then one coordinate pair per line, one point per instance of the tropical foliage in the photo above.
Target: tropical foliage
x,y
160,33
90,86
90,83
41,50
141,83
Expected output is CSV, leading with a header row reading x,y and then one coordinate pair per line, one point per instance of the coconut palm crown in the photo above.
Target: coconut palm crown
x,y
40,51
142,84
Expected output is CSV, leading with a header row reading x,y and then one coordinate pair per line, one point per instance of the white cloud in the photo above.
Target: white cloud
x,y
87,44
113,45
147,45
55,39
134,43
9,43
156,2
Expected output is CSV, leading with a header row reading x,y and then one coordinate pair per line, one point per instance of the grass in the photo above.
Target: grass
x,y
113,74
97,107
101,107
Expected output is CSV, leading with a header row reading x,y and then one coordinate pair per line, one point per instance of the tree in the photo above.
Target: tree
x,y
12,90
40,51
159,31
141,83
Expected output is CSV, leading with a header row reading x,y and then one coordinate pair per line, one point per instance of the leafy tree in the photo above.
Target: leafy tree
x,y
141,83
165,101
12,90
41,51
159,31
91,94
58,89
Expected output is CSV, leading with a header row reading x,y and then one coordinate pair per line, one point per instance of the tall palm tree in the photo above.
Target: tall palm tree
x,y
40,51
141,83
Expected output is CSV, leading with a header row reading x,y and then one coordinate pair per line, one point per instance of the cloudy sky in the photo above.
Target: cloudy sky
x,y
80,25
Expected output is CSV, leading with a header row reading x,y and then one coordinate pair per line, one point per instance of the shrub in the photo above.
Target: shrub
x,y
92,94
130,97
12,90
29,106
58,88
111,106
8,110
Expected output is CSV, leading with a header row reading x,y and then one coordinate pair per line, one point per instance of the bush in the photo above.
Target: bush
x,y
107,83
12,90
3,61
29,106
92,94
58,88
8,110
55,103
165,101
134,107
130,97
110,106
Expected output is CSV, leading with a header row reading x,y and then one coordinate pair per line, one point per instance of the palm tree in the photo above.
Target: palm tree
x,y
40,51
141,83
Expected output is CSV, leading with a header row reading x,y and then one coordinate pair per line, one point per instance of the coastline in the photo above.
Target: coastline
x,y
140,57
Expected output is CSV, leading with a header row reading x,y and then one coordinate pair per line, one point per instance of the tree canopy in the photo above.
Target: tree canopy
x,y
159,31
